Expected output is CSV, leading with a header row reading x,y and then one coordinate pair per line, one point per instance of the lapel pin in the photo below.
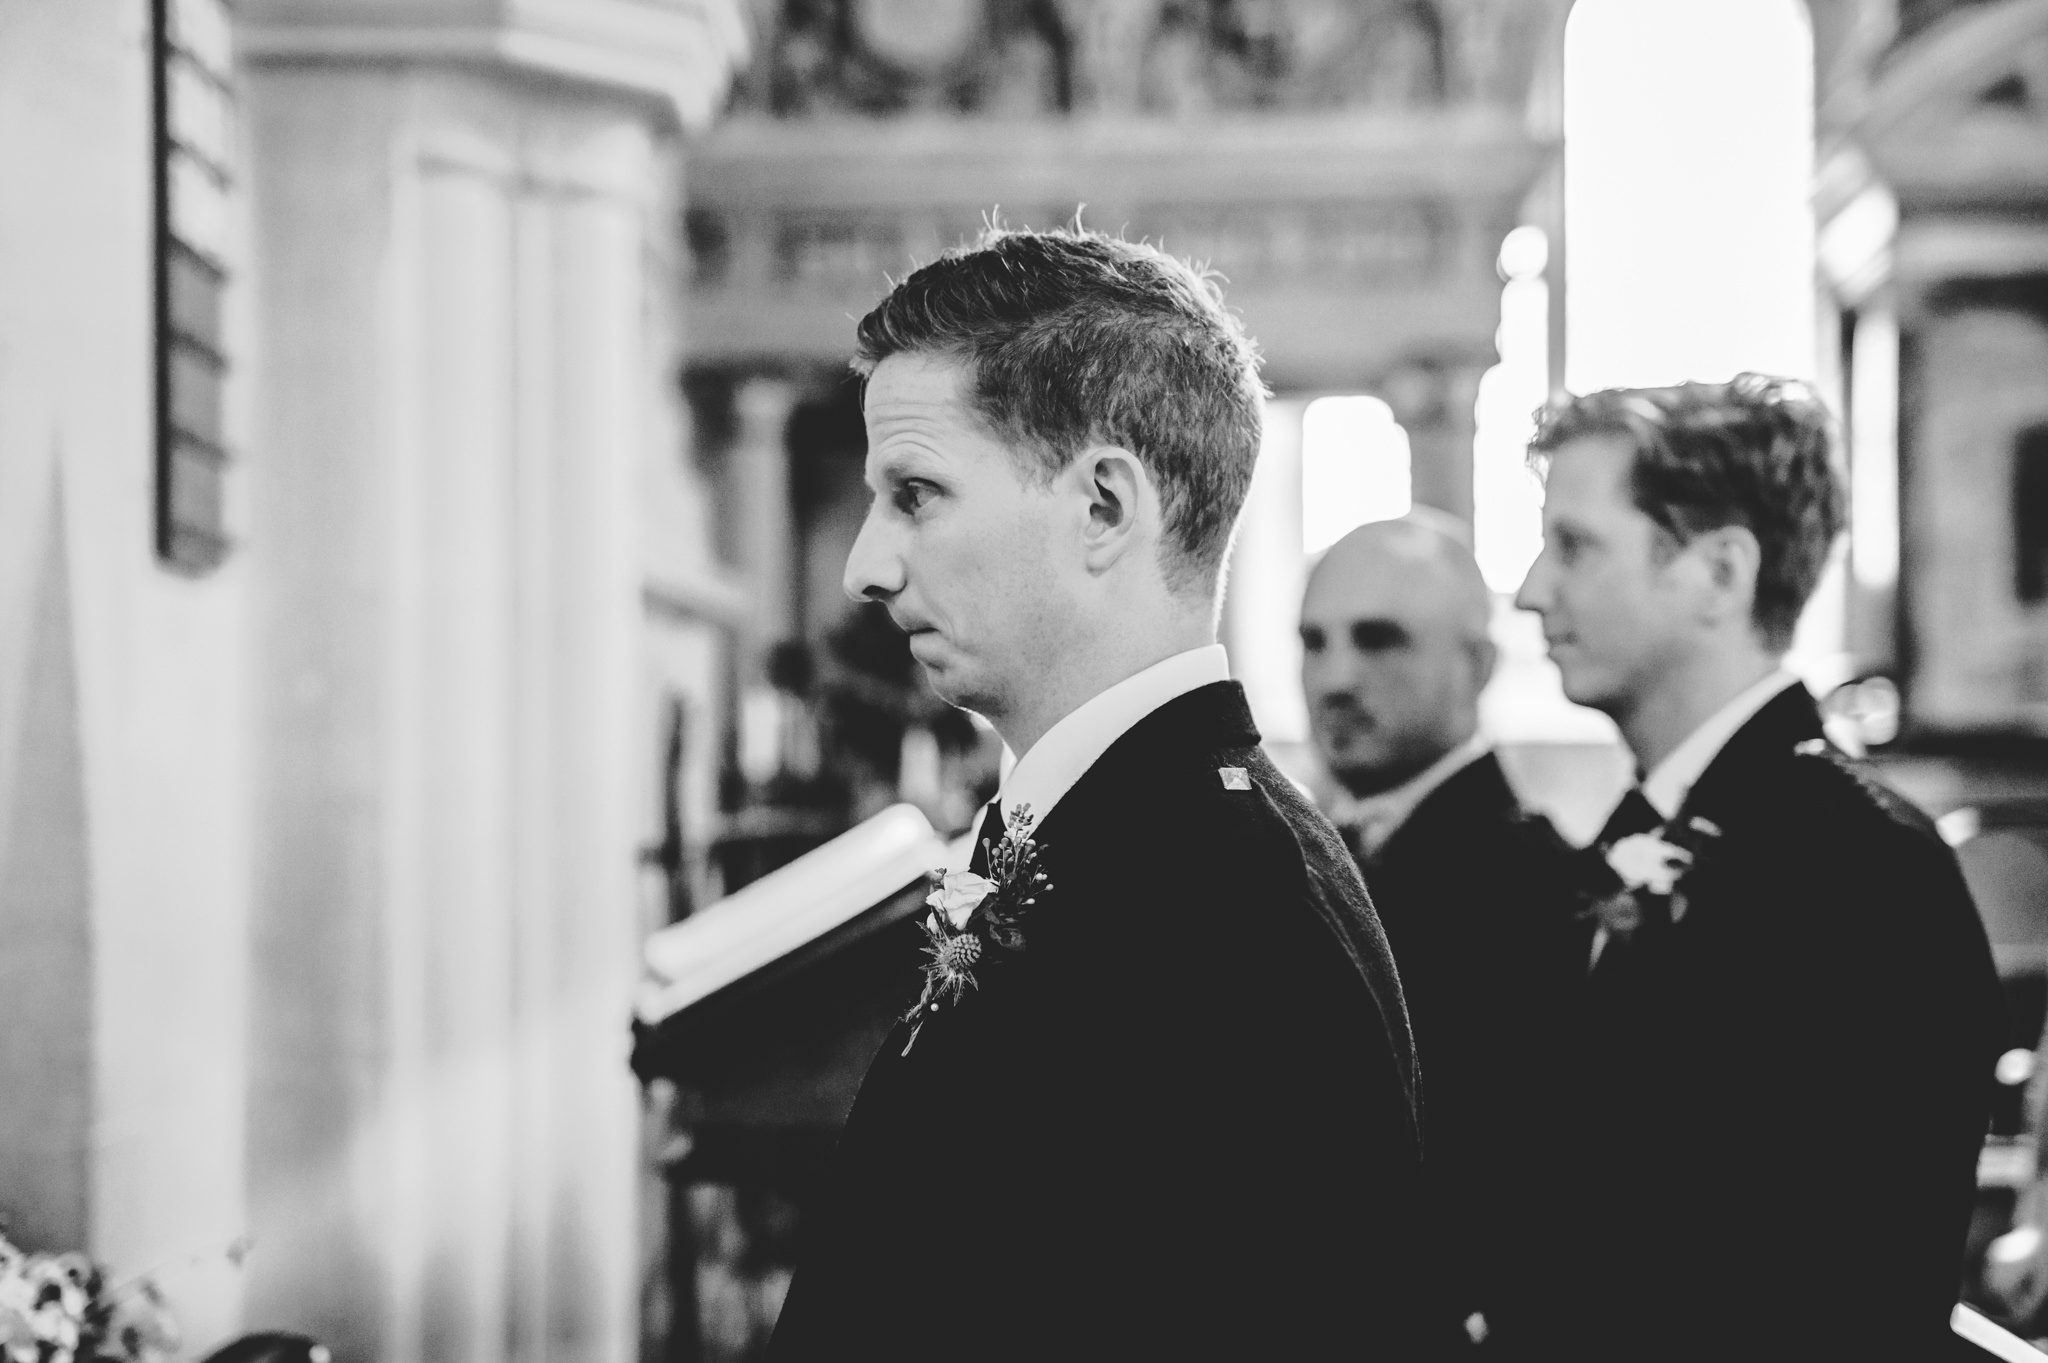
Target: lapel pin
x,y
1234,778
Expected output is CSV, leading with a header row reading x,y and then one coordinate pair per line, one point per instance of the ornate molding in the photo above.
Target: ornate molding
x,y
1123,58
1474,154
1936,75
1348,242
682,52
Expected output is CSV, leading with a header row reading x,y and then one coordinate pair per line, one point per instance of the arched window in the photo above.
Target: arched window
x,y
1688,171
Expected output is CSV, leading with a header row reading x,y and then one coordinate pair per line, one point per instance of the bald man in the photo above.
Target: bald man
x,y
1472,888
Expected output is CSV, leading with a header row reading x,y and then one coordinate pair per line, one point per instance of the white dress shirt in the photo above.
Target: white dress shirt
x,y
1667,786
1065,752
1379,817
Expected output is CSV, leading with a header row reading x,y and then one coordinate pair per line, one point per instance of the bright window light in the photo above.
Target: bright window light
x,y
1262,601
1354,468
1688,167
1874,459
1507,503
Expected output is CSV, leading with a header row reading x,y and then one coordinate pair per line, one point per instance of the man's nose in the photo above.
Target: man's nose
x,y
1332,672
1534,593
874,570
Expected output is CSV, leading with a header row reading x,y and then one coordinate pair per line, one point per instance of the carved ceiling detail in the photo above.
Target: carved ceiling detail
x,y
1054,58
1342,244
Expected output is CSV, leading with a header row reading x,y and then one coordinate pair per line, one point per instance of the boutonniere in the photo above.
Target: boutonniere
x,y
976,920
1641,877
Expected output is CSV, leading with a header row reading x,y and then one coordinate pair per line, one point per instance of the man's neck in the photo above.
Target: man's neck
x,y
1365,783
1087,672
1662,720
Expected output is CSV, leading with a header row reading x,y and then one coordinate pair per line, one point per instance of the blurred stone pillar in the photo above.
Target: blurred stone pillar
x,y
1434,400
760,454
454,206
1262,590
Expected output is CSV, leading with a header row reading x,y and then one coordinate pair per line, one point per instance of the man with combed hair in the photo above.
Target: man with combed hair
x,y
1780,1081
1474,889
1162,1102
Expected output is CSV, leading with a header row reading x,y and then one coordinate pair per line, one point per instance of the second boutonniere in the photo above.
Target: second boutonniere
x,y
976,920
1640,878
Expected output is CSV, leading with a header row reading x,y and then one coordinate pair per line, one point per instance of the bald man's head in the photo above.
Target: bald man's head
x,y
1395,649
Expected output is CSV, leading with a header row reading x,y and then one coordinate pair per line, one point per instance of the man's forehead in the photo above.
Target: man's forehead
x,y
914,385
1589,471
912,406
1341,594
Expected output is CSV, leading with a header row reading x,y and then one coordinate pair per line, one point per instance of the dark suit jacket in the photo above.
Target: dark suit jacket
x,y
1182,1125
1771,1125
1478,901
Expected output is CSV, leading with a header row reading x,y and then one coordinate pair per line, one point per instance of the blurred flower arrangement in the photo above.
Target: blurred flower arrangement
x,y
60,1308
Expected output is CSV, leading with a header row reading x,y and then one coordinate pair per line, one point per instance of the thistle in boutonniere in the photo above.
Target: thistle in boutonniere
x,y
1639,879
977,919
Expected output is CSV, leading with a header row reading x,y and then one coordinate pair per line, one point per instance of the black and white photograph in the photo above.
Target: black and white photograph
x,y
868,681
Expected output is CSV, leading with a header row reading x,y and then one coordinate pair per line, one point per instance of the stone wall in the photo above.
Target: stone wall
x,y
124,779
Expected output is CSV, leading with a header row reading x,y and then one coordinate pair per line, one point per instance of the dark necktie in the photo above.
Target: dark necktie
x,y
1634,814
991,831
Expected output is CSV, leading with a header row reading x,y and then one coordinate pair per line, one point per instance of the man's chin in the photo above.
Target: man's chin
x,y
1584,687
1347,745
948,682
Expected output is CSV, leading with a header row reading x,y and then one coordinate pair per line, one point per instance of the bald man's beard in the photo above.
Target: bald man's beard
x,y
1388,762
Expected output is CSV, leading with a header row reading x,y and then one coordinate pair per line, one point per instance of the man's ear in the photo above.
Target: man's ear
x,y
1485,656
1120,501
1733,558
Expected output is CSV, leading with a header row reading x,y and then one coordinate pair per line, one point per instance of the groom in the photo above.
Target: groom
x,y
1161,1103
1766,1147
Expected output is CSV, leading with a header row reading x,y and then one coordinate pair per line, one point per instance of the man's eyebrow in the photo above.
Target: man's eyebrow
x,y
1378,629
895,466
886,468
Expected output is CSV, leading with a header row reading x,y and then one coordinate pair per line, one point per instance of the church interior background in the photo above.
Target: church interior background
x,y
427,456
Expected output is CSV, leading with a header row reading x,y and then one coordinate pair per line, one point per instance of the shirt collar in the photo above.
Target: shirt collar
x,y
1667,786
1378,817
1065,752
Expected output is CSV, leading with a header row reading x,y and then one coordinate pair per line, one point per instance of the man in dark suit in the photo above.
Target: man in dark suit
x,y
1785,946
1162,1102
1474,890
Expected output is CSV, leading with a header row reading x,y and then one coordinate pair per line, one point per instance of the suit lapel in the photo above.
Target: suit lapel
x,y
1723,791
1120,811
1476,795
1205,719
1131,788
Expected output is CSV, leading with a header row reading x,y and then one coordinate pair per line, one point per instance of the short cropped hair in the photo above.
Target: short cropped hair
x,y
1756,452
1072,337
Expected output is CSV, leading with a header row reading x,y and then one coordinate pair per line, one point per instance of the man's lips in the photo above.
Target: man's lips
x,y
1345,718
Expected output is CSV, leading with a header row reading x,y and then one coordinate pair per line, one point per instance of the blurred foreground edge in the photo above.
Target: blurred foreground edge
x,y
1991,1339
862,882
270,1346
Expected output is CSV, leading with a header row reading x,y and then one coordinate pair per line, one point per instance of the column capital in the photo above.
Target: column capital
x,y
1430,391
682,52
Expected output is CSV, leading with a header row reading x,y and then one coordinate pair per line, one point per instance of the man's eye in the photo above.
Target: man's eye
x,y
1312,640
912,495
1377,636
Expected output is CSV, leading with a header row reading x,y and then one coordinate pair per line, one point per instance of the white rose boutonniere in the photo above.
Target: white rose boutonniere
x,y
1641,877
977,920
958,894
1647,862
